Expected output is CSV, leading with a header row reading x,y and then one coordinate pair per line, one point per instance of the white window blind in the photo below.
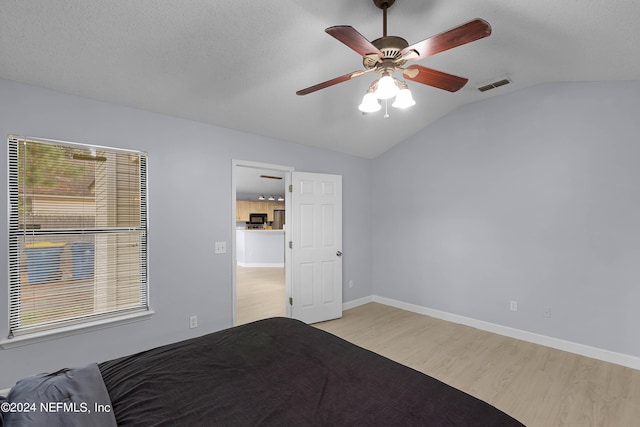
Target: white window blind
x,y
77,234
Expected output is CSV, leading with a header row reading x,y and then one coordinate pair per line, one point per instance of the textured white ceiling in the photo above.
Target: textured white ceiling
x,y
250,182
238,63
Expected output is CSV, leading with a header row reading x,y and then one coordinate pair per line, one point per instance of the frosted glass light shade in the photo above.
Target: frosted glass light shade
x,y
369,103
387,88
403,99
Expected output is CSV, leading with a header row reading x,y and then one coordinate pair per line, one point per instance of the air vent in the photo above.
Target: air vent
x,y
494,85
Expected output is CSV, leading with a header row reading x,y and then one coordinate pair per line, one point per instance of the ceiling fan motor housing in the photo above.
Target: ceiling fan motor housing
x,y
391,47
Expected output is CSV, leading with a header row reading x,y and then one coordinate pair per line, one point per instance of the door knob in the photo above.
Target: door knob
x,y
339,253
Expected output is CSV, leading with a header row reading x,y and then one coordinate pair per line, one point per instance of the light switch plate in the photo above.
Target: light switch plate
x,y
221,247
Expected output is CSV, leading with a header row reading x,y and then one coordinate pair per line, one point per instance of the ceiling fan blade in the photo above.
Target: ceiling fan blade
x,y
435,78
463,34
332,82
353,39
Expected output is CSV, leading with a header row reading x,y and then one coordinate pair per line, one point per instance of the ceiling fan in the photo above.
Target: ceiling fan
x,y
390,53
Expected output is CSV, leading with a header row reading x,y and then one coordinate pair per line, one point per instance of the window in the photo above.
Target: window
x,y
77,234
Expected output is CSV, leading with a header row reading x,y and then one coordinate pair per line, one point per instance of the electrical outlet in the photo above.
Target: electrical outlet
x,y
513,306
547,312
351,283
193,322
221,247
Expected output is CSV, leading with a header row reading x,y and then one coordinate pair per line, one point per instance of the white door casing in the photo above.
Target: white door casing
x,y
316,247
286,170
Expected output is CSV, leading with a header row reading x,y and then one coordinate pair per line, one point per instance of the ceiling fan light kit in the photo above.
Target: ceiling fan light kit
x,y
369,103
404,99
386,87
389,54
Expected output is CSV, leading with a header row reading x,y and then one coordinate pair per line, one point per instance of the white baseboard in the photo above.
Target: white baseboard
x,y
572,347
357,302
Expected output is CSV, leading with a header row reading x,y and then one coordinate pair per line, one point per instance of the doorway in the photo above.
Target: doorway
x,y
260,263
260,293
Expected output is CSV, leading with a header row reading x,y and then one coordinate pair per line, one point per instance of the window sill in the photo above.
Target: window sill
x,y
37,337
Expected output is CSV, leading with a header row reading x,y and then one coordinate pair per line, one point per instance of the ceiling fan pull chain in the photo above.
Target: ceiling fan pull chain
x,y
386,112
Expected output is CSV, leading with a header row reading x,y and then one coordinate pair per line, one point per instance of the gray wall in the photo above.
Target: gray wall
x,y
189,184
532,196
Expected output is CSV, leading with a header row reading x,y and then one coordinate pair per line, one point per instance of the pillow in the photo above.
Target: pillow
x,y
69,397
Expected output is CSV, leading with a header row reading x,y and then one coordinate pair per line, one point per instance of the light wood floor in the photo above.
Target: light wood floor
x,y
537,385
260,293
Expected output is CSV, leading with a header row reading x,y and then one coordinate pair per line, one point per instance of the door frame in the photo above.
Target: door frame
x,y
288,170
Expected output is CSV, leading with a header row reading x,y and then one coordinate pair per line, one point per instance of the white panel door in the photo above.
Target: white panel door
x,y
316,250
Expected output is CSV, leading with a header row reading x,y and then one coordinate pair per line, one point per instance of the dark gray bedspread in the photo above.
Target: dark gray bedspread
x,y
282,372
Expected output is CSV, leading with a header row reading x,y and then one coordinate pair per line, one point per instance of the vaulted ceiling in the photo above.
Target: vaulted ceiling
x,y
239,63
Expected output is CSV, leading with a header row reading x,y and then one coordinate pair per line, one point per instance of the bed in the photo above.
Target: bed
x,y
275,371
